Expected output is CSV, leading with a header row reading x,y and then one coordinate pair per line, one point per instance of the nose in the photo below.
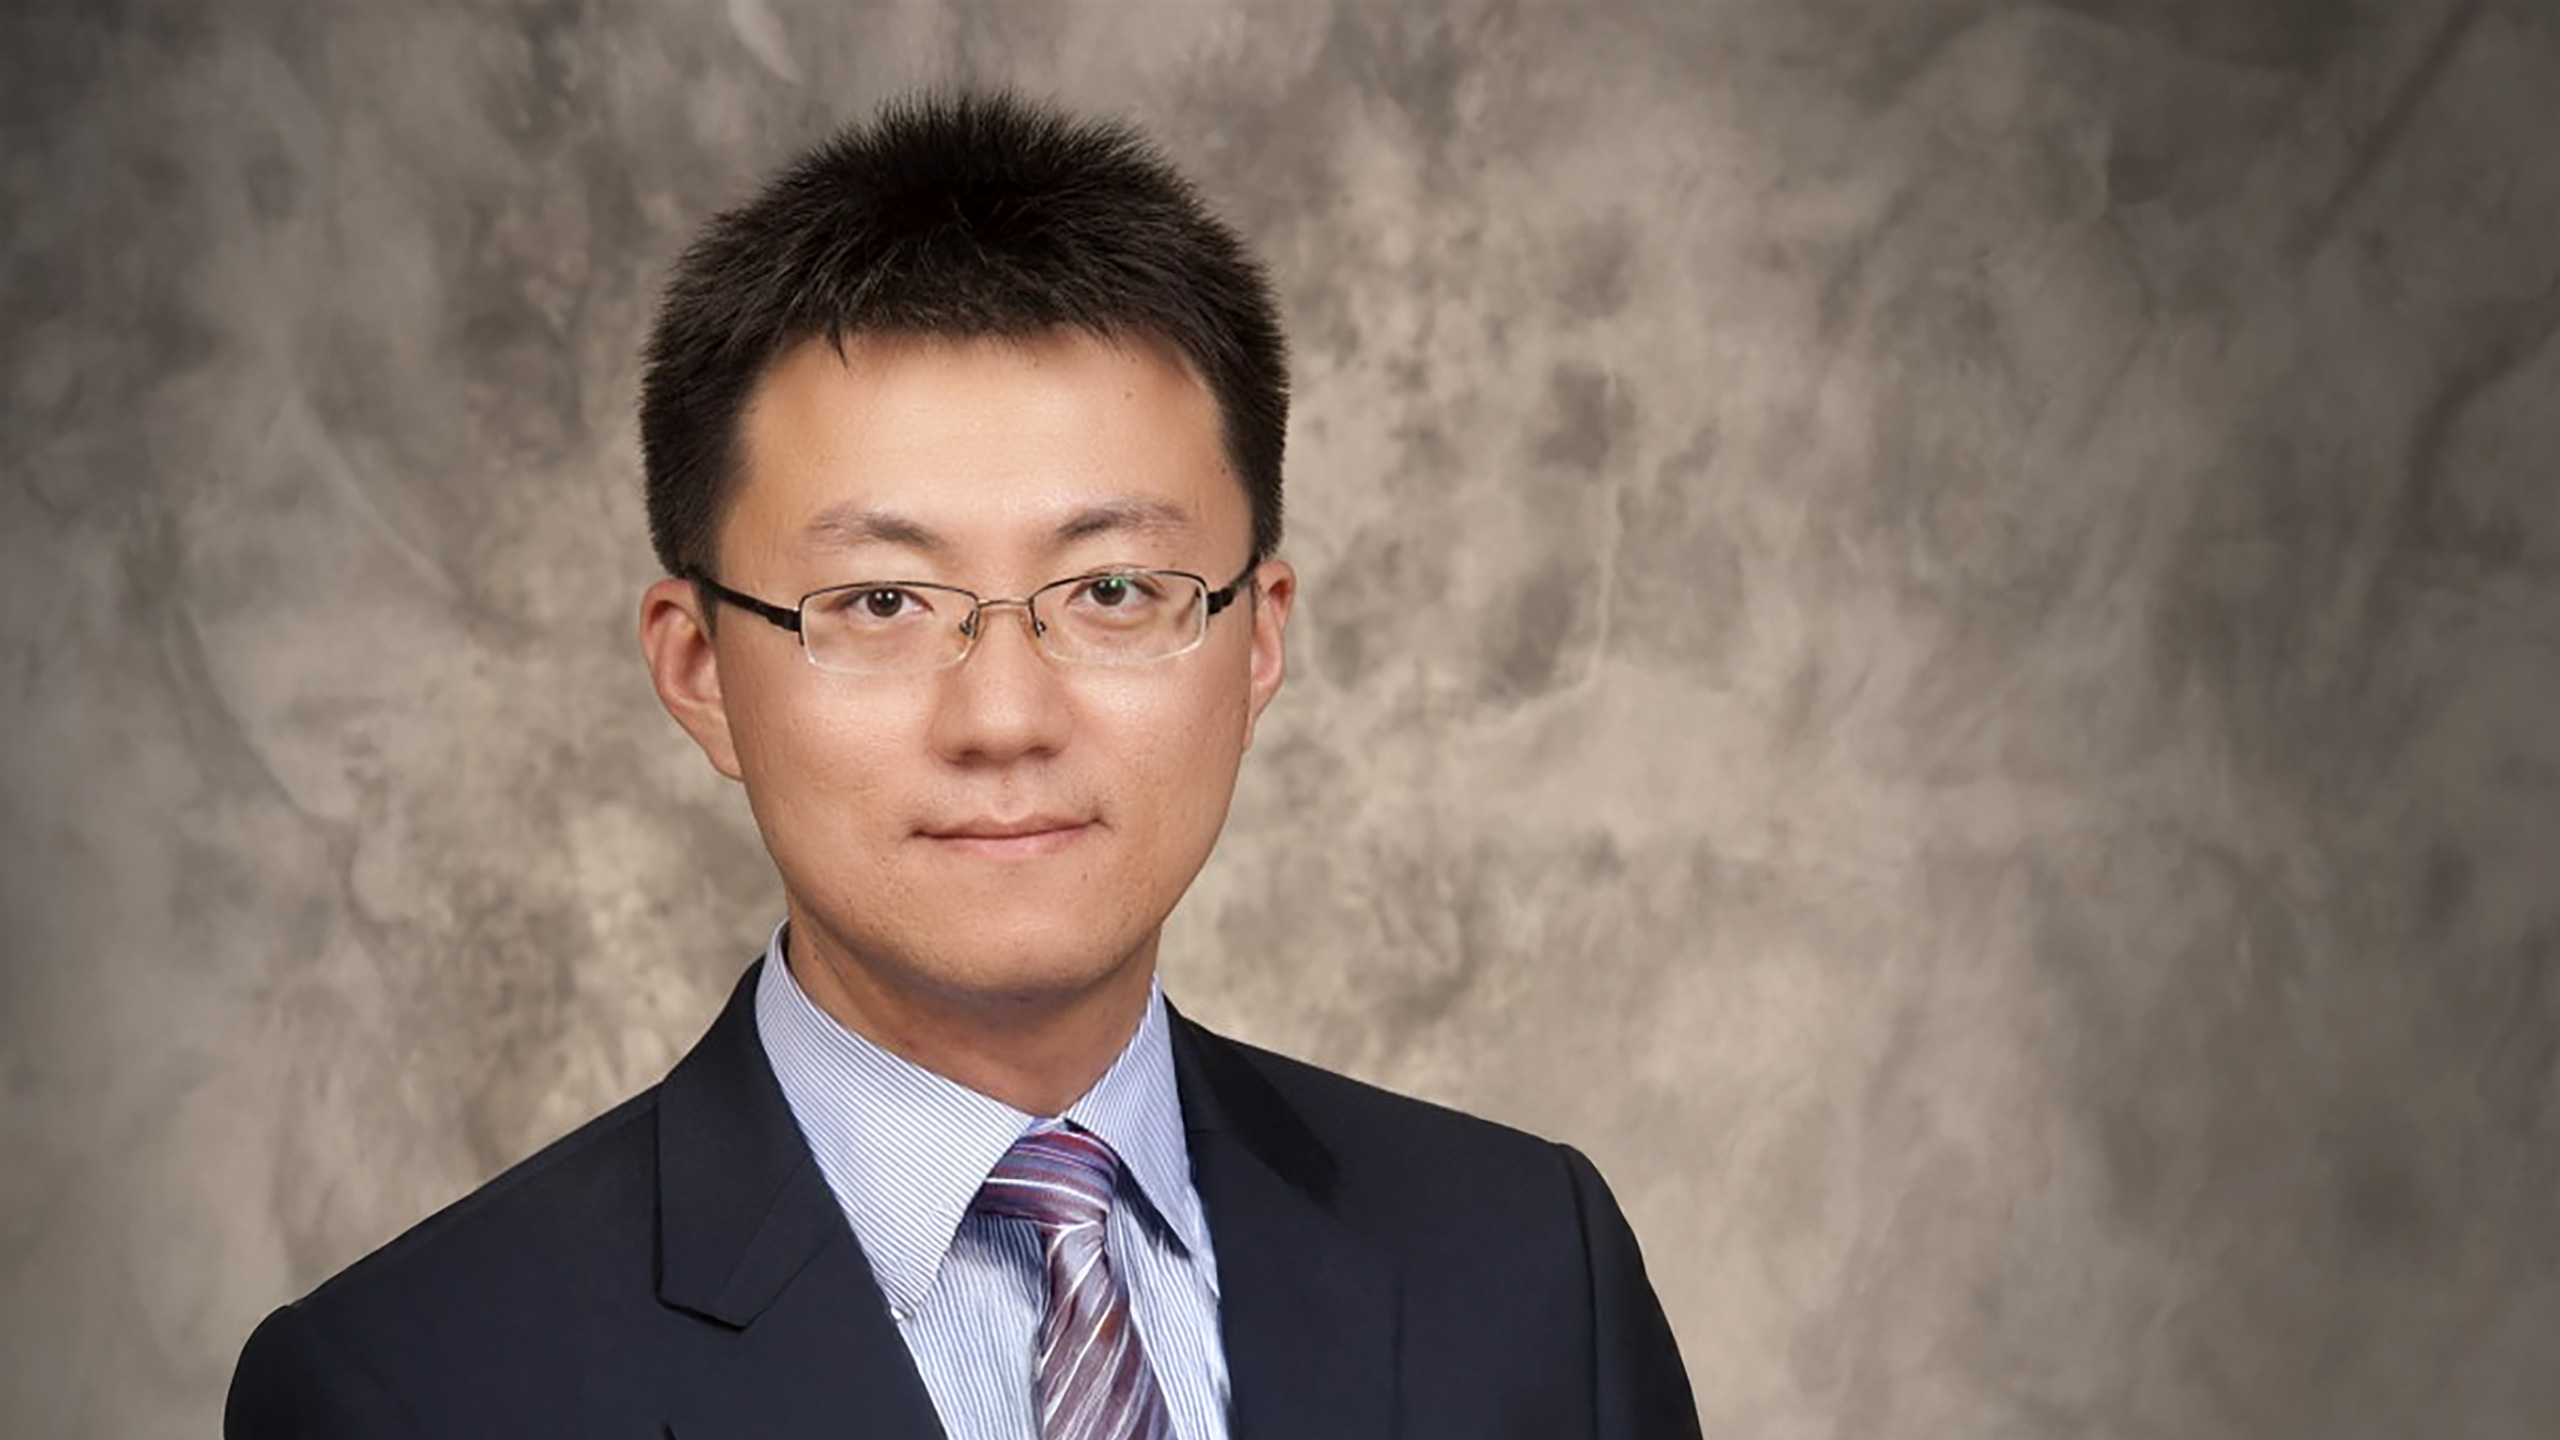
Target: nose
x,y
1002,702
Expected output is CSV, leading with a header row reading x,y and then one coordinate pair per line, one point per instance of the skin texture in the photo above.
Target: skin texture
x,y
977,862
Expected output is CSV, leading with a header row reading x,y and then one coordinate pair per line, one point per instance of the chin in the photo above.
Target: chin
x,y
1041,972
1003,952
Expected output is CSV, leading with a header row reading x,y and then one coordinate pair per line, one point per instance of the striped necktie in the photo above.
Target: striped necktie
x,y
1093,1379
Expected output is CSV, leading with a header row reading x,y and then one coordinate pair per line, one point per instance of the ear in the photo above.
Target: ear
x,y
1275,587
675,638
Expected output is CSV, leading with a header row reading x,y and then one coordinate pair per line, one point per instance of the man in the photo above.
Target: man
x,y
963,445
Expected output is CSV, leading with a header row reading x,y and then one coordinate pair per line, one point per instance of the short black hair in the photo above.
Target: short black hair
x,y
961,215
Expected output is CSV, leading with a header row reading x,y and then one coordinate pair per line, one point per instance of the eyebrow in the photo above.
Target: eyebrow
x,y
1119,517
851,525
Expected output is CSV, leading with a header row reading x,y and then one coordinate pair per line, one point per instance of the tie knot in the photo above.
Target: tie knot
x,y
1056,1179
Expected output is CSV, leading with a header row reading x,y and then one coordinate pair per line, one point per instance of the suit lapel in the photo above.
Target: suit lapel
x,y
1308,1310
751,1241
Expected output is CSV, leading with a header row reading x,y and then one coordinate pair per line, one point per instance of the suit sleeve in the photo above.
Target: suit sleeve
x,y
1642,1389
292,1383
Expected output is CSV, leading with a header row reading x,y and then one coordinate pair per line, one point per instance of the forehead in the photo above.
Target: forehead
x,y
982,447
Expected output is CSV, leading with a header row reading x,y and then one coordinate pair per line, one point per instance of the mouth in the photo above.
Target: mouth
x,y
1018,839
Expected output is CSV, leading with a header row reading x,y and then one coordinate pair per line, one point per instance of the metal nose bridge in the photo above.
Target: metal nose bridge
x,y
976,625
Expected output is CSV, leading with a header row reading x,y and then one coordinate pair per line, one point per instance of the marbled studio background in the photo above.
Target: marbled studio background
x,y
1932,626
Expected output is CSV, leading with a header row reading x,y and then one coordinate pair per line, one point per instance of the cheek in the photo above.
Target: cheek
x,y
1181,754
814,760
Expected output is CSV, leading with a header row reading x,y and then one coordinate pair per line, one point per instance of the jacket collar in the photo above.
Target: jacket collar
x,y
750,1238
1307,1307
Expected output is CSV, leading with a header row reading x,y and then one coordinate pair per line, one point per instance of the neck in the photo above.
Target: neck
x,y
1038,1051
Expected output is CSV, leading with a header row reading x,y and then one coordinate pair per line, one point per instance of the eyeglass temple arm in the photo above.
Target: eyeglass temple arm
x,y
1225,595
787,619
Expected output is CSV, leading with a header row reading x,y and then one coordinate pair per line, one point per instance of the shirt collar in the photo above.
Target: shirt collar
x,y
905,1149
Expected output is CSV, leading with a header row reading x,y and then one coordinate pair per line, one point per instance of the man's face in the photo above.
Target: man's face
x,y
1010,831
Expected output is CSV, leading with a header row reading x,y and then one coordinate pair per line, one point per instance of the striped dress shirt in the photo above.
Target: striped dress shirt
x,y
905,1151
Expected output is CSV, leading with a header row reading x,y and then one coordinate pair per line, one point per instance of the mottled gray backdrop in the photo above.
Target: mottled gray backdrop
x,y
1932,626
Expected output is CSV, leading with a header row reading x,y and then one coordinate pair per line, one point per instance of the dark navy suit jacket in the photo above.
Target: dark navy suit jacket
x,y
679,1268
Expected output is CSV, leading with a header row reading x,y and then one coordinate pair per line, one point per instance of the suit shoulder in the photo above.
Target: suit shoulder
x,y
1354,1116
557,1203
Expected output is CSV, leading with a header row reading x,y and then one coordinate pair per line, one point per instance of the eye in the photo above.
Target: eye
x,y
876,604
1118,591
